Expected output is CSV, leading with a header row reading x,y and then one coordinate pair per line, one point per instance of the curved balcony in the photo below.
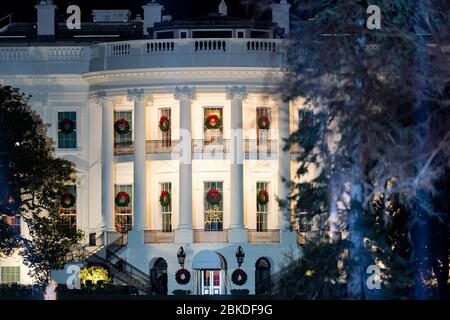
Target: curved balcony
x,y
170,53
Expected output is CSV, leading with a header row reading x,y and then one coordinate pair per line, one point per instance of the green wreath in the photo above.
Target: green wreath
x,y
264,123
122,199
213,197
239,277
165,198
164,124
67,200
182,276
263,197
213,122
66,126
122,126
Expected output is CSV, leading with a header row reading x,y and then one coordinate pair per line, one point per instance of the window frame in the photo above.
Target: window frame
x,y
207,212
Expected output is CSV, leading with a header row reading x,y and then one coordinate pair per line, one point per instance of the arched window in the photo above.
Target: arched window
x,y
263,283
158,277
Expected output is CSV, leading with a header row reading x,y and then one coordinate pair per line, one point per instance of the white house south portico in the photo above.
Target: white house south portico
x,y
178,142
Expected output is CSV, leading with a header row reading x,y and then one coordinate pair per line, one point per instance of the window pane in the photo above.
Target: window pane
x,y
213,212
262,135
67,140
213,136
166,136
262,211
10,275
124,213
70,211
125,138
166,211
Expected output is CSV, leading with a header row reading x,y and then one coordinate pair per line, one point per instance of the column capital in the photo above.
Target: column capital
x,y
236,92
185,93
100,96
135,94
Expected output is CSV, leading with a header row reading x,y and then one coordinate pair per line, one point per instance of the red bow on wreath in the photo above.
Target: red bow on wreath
x,y
164,124
213,122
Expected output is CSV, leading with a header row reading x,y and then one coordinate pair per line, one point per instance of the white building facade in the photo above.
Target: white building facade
x,y
187,114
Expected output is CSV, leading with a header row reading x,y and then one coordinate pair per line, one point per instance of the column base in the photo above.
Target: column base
x,y
135,237
237,236
288,236
184,236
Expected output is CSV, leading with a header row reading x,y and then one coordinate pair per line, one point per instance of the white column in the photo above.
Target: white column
x,y
140,157
185,234
107,161
284,167
237,232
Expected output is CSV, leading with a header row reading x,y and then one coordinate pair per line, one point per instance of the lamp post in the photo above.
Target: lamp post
x,y
181,255
240,256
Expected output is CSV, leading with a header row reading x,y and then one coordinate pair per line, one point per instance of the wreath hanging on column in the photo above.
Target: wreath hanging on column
x,y
182,276
66,126
122,126
239,277
264,122
263,197
213,197
67,200
164,124
122,199
213,122
165,198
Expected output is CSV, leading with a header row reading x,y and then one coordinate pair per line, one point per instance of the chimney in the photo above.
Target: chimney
x,y
280,15
46,18
223,9
152,14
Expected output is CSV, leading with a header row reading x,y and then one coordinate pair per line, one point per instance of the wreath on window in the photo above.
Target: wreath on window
x,y
164,124
121,224
67,200
213,197
264,122
122,199
213,122
239,277
263,197
122,126
182,276
66,126
164,198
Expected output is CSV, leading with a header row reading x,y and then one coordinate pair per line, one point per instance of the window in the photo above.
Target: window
x,y
262,211
67,130
263,282
10,275
213,136
124,211
241,34
166,136
262,125
123,138
183,34
213,212
166,211
68,208
13,222
305,121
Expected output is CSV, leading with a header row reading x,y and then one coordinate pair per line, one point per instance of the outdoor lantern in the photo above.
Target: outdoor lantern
x,y
181,255
240,256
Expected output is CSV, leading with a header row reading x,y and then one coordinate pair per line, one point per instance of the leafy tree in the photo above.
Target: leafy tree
x,y
32,182
381,114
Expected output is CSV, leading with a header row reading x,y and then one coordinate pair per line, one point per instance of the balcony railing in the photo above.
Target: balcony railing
x,y
158,236
269,236
251,146
202,236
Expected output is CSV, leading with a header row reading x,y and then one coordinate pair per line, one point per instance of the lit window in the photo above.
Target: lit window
x,y
68,208
10,275
213,209
123,128
166,210
124,211
262,206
